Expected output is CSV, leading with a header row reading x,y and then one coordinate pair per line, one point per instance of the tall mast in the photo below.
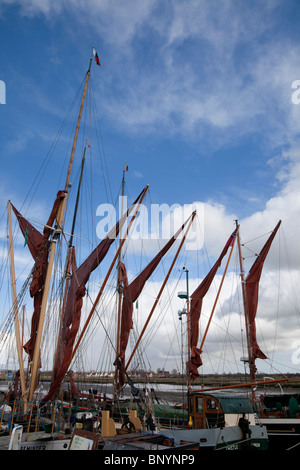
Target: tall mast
x,y
15,307
55,237
120,296
119,270
252,368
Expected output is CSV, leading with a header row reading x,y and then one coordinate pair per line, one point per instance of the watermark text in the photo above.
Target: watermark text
x,y
296,353
160,221
296,94
2,92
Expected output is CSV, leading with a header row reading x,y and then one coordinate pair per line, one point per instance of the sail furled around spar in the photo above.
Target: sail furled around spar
x,y
196,306
38,244
251,290
130,295
76,293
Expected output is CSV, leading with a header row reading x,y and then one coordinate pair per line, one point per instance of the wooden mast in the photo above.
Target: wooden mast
x,y
15,308
120,296
161,290
57,231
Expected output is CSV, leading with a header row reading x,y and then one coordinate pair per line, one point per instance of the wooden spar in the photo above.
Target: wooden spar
x,y
250,356
161,290
216,299
58,227
15,307
23,319
248,384
108,274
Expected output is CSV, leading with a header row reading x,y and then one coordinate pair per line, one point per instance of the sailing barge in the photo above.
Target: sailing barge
x,y
279,413
204,428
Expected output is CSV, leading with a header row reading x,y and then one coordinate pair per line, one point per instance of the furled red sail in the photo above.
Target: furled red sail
x,y
196,306
38,245
130,295
72,313
74,389
126,326
252,288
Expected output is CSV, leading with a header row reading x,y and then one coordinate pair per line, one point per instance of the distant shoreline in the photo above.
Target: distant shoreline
x,y
207,380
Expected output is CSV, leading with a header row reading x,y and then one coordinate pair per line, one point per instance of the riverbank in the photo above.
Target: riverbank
x,y
206,380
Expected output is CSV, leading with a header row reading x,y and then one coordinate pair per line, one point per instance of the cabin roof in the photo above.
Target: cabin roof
x,y
232,404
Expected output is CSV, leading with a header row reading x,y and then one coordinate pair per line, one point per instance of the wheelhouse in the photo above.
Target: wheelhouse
x,y
208,410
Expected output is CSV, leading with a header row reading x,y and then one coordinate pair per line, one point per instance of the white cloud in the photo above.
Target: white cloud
x,y
243,69
217,72
30,8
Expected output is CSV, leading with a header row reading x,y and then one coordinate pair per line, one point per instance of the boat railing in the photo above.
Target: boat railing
x,y
30,415
170,423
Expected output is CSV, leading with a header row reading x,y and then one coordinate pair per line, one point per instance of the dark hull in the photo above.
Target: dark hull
x,y
283,433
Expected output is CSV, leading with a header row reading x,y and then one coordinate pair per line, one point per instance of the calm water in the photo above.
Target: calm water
x,y
167,393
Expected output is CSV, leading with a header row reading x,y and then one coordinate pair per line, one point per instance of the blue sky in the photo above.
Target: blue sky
x,y
195,96
183,91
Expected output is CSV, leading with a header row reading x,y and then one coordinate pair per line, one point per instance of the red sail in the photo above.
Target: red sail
x,y
130,295
72,313
74,389
39,247
196,306
126,325
252,288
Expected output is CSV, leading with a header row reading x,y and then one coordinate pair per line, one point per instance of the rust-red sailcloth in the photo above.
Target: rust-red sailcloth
x,y
38,244
252,288
196,306
74,389
130,295
72,314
